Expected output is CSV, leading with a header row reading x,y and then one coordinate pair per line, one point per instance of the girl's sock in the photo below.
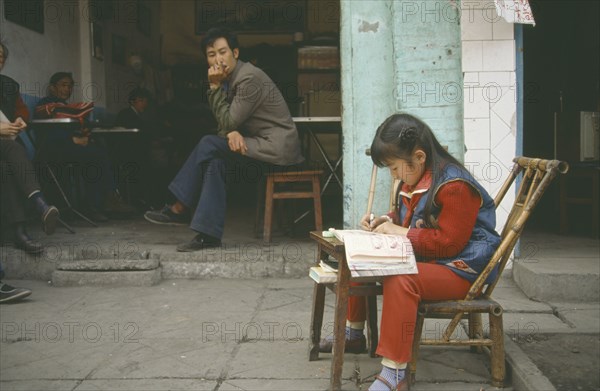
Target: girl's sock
x,y
391,375
353,333
350,334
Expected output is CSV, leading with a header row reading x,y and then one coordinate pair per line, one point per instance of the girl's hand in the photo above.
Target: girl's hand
x,y
390,228
368,225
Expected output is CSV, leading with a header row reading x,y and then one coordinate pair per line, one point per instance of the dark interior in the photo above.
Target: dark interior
x,y
561,79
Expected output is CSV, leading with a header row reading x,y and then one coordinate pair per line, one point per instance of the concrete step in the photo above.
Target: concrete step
x,y
241,260
108,265
558,268
245,259
64,278
108,272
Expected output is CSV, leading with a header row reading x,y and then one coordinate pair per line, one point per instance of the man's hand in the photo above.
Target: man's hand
x,y
19,122
11,129
82,141
216,75
236,142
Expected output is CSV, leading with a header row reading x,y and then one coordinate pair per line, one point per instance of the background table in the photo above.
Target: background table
x,y
331,125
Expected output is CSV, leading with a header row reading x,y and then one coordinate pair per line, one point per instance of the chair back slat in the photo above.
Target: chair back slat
x,y
537,176
516,169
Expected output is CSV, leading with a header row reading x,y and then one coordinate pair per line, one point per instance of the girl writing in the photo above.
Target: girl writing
x,y
449,219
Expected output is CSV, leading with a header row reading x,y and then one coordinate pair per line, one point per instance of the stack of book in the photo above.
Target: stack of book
x,y
369,254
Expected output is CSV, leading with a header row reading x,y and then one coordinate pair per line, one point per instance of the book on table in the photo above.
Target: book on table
x,y
322,276
371,254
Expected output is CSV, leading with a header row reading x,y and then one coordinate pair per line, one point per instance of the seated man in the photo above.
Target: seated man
x,y
17,175
19,184
144,154
66,147
254,124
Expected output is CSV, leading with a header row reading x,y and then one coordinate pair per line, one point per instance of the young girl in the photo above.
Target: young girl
x,y
449,219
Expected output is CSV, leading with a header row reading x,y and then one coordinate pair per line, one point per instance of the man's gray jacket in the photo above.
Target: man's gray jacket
x,y
252,104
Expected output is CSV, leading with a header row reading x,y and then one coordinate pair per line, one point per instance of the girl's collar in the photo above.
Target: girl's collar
x,y
422,186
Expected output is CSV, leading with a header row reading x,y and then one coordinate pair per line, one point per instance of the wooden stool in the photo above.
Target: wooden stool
x,y
312,177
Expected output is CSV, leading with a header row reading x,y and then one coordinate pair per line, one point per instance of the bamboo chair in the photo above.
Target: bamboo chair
x,y
537,175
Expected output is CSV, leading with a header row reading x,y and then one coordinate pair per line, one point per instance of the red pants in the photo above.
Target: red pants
x,y
401,297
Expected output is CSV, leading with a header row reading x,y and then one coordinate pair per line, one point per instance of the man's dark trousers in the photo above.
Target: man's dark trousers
x,y
200,184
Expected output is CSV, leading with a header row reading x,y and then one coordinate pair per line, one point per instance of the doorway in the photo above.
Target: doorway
x,y
560,80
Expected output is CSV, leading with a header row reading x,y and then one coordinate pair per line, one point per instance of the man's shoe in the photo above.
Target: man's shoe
x,y
9,293
356,346
200,242
166,217
27,244
50,219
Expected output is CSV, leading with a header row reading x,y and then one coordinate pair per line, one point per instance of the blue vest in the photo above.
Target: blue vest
x,y
484,241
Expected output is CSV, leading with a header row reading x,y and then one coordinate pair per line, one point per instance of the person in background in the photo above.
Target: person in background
x,y
254,126
65,146
143,155
19,184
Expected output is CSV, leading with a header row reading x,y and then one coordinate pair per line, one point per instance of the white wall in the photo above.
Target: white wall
x,y
490,97
34,57
65,45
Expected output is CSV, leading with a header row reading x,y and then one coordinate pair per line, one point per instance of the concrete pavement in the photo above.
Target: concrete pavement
x,y
187,335
227,334
194,329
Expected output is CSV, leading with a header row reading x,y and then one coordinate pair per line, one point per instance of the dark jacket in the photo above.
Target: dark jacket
x,y
9,95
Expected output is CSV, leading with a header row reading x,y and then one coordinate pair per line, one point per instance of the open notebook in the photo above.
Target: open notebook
x,y
374,254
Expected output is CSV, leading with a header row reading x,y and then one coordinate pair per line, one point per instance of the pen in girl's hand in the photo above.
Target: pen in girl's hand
x,y
371,219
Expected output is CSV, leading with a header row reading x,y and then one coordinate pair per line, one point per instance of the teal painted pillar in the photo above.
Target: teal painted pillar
x,y
397,56
428,78
367,57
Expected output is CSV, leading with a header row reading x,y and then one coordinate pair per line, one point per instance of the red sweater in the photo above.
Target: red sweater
x,y
21,109
459,205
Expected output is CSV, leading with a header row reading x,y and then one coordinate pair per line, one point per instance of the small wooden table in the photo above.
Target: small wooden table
x,y
334,248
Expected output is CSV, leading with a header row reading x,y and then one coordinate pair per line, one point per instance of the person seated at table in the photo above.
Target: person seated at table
x,y
19,185
17,175
450,221
144,154
65,146
254,126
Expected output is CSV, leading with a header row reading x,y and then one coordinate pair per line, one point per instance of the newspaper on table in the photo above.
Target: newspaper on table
x,y
371,254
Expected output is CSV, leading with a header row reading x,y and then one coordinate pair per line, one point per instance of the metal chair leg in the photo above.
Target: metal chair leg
x,y
69,205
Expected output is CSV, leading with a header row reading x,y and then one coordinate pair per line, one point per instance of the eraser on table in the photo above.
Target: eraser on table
x,y
328,234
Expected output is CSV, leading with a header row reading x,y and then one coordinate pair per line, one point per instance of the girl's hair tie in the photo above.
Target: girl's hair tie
x,y
408,135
